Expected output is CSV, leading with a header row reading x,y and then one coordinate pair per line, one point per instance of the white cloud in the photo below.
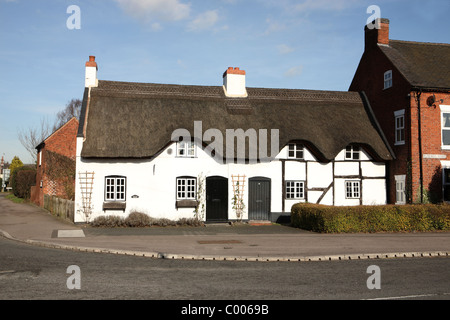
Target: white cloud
x,y
284,49
273,26
204,21
159,10
294,71
308,5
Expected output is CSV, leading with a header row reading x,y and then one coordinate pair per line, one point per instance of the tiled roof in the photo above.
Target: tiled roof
x,y
425,65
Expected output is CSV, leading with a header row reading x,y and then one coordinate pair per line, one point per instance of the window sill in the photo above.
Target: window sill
x,y
186,203
114,205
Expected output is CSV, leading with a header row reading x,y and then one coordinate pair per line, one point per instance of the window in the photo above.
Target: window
x,y
186,149
295,189
352,153
446,183
388,79
352,189
445,126
115,187
186,188
400,195
295,151
399,127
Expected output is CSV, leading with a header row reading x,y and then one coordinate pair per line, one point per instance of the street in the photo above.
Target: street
x,y
30,272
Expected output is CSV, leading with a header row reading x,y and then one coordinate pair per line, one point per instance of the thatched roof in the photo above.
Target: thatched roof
x,y
136,120
425,65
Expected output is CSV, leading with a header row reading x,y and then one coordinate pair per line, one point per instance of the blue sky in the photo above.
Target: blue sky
x,y
302,44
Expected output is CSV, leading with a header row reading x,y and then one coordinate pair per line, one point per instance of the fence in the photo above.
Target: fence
x,y
60,207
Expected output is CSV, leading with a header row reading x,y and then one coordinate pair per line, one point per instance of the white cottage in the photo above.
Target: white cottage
x,y
223,152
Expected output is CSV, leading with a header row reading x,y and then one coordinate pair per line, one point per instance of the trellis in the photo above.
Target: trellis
x,y
238,182
86,186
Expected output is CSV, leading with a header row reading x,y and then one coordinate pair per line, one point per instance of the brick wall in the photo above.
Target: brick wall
x,y
369,78
62,141
432,152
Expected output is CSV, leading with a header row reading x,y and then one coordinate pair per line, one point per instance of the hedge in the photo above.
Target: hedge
x,y
138,219
22,180
387,218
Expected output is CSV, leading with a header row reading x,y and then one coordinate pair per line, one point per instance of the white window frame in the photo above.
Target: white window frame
x,y
352,153
444,109
115,188
297,150
186,188
400,189
352,189
399,127
186,149
388,79
295,190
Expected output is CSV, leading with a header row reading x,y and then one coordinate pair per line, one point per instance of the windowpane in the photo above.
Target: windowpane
x,y
352,189
295,151
186,188
446,137
447,176
446,120
186,149
115,188
388,79
295,190
352,153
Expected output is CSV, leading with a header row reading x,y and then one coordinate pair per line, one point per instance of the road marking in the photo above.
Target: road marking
x,y
70,234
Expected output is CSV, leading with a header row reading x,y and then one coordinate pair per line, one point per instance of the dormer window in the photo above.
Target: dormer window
x,y
295,151
186,149
388,79
352,153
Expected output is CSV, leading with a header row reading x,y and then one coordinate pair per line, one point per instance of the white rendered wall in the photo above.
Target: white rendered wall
x,y
151,183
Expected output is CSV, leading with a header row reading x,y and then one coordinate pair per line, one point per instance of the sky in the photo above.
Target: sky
x,y
295,44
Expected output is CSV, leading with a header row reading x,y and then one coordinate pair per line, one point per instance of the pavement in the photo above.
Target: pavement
x,y
241,242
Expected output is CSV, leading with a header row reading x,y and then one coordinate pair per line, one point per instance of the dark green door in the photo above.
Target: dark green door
x,y
216,199
259,198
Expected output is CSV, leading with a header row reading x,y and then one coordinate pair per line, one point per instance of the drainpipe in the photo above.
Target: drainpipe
x,y
418,93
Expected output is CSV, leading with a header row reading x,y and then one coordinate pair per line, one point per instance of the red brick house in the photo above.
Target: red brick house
x,y
408,86
55,167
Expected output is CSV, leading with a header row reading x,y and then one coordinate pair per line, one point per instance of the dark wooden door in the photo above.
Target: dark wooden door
x,y
216,199
259,198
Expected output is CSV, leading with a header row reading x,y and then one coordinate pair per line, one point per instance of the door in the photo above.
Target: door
x,y
216,199
259,198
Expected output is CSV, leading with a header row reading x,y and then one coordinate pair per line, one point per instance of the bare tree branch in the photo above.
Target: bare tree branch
x,y
72,109
33,136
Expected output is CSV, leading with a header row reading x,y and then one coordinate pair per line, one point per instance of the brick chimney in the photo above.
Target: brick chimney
x,y
91,73
376,33
234,83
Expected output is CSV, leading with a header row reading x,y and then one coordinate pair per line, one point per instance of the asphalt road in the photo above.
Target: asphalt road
x,y
32,273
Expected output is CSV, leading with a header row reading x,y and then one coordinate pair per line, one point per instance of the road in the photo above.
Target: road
x,y
31,272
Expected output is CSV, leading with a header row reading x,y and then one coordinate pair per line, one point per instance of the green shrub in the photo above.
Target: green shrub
x,y
387,218
22,179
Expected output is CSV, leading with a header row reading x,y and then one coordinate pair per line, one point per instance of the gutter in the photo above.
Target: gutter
x,y
418,93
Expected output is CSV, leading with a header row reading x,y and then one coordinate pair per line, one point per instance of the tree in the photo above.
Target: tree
x,y
15,164
32,137
72,109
